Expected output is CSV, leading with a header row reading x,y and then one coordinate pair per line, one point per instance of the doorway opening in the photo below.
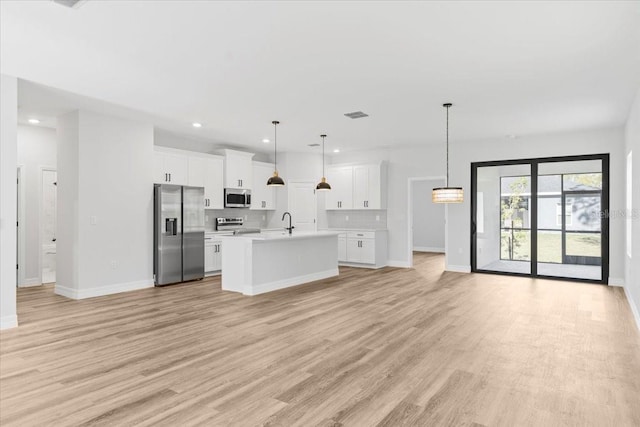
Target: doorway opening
x,y
426,220
542,217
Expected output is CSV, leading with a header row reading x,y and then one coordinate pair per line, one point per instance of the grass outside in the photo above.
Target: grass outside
x,y
550,245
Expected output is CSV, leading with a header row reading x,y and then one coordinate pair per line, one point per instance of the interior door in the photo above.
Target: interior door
x,y
302,205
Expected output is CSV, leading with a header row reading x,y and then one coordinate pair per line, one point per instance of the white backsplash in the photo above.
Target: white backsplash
x,y
358,219
252,219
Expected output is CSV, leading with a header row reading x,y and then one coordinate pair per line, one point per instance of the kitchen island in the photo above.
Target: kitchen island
x,y
253,264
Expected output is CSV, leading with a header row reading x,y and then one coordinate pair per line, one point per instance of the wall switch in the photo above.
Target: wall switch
x,y
346,217
93,220
377,217
459,250
246,217
264,217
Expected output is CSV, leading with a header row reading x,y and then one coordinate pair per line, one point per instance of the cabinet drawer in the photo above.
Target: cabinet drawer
x,y
361,234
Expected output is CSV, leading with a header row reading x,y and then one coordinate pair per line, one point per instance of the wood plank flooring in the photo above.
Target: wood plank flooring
x,y
390,347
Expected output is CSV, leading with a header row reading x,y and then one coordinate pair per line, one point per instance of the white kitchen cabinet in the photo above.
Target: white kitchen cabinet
x,y
342,247
357,187
170,168
207,172
368,187
363,248
262,197
238,169
212,255
341,194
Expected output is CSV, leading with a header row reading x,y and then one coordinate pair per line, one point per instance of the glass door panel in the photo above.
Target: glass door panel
x,y
503,218
569,221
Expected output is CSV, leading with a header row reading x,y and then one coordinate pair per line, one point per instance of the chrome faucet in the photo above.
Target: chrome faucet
x,y
291,227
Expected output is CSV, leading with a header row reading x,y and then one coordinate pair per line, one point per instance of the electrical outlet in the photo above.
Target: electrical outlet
x,y
246,217
459,250
113,264
377,217
346,217
93,220
264,217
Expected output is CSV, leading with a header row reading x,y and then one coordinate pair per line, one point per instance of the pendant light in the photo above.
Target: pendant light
x,y
447,194
323,185
275,180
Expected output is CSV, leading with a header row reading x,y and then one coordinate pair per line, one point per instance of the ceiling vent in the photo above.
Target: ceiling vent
x,y
313,145
74,4
356,115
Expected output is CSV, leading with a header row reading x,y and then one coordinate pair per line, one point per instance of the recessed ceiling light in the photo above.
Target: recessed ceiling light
x,y
266,140
336,150
196,125
34,121
512,136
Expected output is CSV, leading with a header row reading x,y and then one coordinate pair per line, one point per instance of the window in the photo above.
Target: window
x,y
567,214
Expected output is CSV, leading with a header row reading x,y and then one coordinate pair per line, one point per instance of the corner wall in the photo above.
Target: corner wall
x,y
632,269
8,199
105,209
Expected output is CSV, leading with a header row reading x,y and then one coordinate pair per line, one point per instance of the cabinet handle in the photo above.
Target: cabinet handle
x,y
169,177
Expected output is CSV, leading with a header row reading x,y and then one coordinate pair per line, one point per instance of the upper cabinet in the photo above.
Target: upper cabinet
x,y
170,168
207,172
262,197
341,194
193,169
238,169
357,187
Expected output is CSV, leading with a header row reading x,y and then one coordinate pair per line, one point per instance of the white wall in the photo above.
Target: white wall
x,y
632,270
105,205
36,150
428,217
8,199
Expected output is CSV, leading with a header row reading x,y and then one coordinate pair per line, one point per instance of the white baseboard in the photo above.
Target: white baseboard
x,y
401,264
428,249
7,322
293,281
33,281
458,268
357,265
634,308
102,290
616,281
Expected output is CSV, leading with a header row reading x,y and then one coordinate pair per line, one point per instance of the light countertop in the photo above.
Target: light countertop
x,y
282,235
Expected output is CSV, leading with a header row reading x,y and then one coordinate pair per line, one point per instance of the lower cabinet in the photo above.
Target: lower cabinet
x,y
363,248
212,255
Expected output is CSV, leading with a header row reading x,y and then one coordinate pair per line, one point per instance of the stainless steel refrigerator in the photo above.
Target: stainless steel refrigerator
x,y
178,233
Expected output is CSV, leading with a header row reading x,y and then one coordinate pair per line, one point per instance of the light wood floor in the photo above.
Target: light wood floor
x,y
390,347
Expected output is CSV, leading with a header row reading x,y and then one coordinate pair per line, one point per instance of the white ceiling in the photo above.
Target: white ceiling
x,y
508,67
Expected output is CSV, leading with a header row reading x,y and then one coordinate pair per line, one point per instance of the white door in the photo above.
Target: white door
x,y
302,205
49,223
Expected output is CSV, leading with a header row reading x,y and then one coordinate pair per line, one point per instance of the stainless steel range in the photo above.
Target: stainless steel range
x,y
234,224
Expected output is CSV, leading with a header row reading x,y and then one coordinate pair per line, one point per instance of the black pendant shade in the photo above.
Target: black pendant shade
x,y
275,180
323,185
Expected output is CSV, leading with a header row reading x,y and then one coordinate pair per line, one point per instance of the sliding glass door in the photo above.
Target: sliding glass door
x,y
541,217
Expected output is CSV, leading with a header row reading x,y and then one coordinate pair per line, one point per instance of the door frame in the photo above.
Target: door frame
x,y
41,171
315,199
410,182
534,162
21,215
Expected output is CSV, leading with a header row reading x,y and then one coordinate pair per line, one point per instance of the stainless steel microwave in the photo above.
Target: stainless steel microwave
x,y
237,198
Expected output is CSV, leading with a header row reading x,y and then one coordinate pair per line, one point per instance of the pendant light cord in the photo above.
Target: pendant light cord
x,y
447,182
323,137
275,144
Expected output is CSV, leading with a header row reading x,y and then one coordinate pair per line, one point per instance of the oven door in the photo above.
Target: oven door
x,y
234,199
